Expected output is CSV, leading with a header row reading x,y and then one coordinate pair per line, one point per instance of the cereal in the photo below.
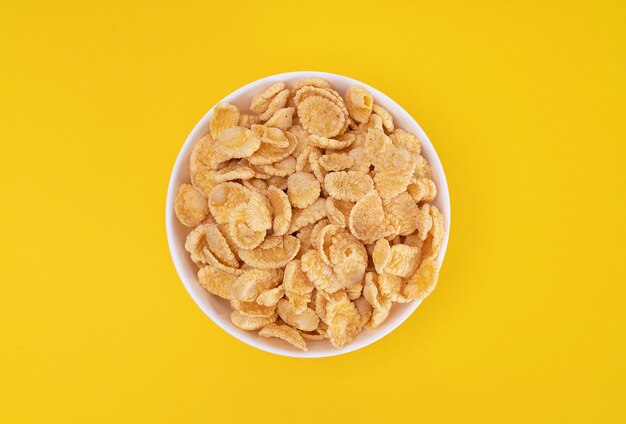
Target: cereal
x,y
225,197
267,153
247,322
261,101
381,255
348,258
270,135
336,161
238,142
343,320
423,282
312,81
298,287
338,211
359,102
216,282
340,142
244,237
319,273
314,157
386,117
252,309
408,141
286,333
402,260
190,205
281,210
274,257
348,185
247,120
238,171
380,304
214,262
217,244
253,282
422,189
305,320
321,116
303,189
196,242
404,208
282,118
311,213
224,116
367,219
270,297
278,102
204,160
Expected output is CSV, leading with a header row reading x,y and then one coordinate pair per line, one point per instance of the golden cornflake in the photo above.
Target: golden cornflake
x,y
348,185
272,258
385,116
309,215
286,333
303,189
261,101
336,161
403,260
190,205
359,102
282,118
224,116
321,116
216,282
253,282
380,304
281,210
404,208
247,322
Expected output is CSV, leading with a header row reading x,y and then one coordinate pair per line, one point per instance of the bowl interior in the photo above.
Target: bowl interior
x,y
218,309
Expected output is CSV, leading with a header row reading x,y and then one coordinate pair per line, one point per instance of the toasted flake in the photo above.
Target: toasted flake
x,y
319,273
423,282
216,282
275,257
190,205
261,101
224,116
380,304
348,185
321,116
247,322
303,189
286,333
381,255
336,161
359,102
268,154
249,285
385,116
281,210
404,208
403,260
282,118
309,215
237,142
225,197
367,220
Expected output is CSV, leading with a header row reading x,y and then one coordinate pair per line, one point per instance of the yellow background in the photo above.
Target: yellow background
x,y
525,103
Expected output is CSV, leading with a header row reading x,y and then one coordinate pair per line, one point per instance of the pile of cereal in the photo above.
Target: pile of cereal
x,y
311,213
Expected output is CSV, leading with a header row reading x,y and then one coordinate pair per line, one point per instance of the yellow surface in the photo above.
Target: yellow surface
x,y
525,103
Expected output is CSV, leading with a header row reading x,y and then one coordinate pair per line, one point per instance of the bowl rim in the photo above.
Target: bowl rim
x,y
197,131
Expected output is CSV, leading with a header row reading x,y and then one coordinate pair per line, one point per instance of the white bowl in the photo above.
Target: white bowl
x,y
218,309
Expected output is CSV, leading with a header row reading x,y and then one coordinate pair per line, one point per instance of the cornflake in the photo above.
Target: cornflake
x,y
303,189
190,205
311,213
